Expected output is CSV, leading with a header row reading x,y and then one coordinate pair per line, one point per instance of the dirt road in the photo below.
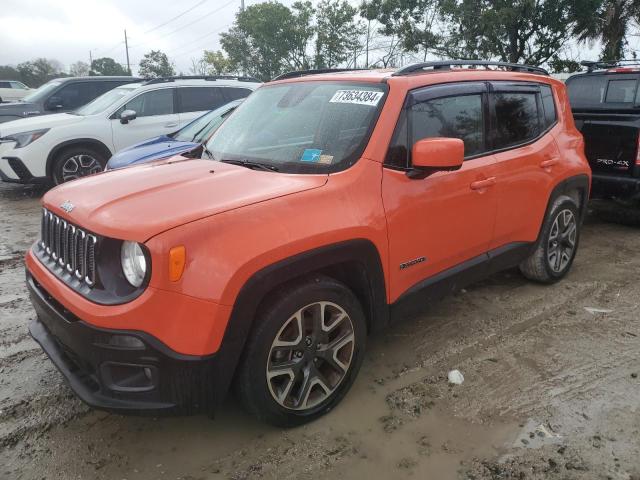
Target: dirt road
x,y
551,390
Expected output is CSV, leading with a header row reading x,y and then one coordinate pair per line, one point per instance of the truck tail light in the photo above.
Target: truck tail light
x,y
638,150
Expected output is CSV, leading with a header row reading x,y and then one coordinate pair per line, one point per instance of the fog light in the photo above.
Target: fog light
x,y
127,377
126,341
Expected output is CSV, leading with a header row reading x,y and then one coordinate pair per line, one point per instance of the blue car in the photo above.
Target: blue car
x,y
184,140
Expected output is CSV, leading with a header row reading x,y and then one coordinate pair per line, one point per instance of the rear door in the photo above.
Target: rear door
x,y
156,115
526,157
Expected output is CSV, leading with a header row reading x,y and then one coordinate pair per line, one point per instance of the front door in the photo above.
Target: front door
x,y
155,116
447,219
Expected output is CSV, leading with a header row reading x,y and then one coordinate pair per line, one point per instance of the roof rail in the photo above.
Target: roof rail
x,y
316,71
593,65
209,78
447,64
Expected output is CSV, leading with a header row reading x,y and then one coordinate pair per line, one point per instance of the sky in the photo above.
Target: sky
x,y
66,30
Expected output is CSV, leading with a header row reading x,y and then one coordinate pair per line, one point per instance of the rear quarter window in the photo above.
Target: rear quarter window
x,y
548,105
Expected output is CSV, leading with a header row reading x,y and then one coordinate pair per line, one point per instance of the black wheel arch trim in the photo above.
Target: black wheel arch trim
x,y
72,143
578,182
361,252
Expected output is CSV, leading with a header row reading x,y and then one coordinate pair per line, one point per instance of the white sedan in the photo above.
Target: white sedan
x,y
12,90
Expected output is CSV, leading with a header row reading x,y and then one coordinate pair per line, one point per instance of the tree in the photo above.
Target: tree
x,y
198,66
155,64
608,21
107,66
216,63
260,40
529,31
391,21
39,71
337,33
79,69
9,73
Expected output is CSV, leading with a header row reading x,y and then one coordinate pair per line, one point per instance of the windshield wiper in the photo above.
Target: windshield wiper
x,y
252,165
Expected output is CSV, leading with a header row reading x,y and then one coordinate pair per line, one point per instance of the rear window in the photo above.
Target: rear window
x,y
597,91
199,99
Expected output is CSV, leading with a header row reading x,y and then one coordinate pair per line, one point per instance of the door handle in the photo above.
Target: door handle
x,y
171,125
482,184
549,163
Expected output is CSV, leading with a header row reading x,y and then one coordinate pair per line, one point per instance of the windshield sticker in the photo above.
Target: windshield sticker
x,y
311,155
360,97
326,159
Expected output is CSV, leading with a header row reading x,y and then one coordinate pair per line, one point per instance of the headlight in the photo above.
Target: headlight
x,y
134,264
25,138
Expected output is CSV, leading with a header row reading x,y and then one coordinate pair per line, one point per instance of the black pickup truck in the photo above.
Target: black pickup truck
x,y
606,107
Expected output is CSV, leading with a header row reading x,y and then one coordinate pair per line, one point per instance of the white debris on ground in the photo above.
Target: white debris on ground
x,y
456,377
594,310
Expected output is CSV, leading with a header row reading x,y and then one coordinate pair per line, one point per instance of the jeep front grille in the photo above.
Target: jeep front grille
x,y
70,247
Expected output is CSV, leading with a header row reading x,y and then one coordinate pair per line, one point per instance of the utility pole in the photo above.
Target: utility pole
x,y
90,59
126,47
366,62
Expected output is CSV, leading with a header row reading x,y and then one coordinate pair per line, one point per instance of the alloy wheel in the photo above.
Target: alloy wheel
x,y
310,356
562,240
80,165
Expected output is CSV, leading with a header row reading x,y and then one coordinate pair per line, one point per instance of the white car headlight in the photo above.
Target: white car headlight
x,y
134,263
25,138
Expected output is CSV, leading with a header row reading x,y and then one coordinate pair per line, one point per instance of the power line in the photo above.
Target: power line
x,y
202,17
176,17
178,51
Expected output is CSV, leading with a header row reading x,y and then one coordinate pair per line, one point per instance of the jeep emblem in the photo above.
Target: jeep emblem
x,y
67,206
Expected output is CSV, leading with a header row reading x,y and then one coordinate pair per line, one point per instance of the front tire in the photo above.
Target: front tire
x,y
557,245
77,162
304,352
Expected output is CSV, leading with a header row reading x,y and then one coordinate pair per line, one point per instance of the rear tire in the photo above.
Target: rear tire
x,y
77,162
557,244
303,354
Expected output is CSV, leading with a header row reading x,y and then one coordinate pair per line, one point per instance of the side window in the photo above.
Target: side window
x,y
75,95
621,91
5,85
457,117
155,102
198,99
549,105
233,93
516,119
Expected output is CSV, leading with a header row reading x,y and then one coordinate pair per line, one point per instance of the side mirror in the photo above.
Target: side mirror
x,y
127,115
54,103
431,155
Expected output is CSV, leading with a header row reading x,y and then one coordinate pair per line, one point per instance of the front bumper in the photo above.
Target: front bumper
x,y
604,185
142,377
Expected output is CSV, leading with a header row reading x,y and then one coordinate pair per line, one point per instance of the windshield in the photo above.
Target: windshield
x,y
41,92
105,100
200,129
600,91
300,127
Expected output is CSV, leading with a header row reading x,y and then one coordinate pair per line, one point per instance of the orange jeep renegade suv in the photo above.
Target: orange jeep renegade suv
x,y
322,201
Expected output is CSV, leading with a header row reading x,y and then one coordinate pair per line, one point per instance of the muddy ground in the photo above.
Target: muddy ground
x,y
551,389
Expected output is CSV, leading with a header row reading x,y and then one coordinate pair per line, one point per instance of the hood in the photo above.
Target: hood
x,y
138,203
36,123
18,109
153,149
